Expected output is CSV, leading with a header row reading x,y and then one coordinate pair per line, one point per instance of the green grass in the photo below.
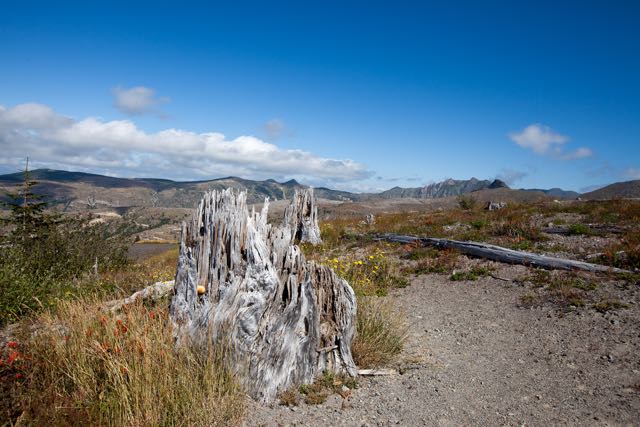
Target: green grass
x,y
580,230
472,274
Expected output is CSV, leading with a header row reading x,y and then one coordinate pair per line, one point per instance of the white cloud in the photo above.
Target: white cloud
x,y
632,173
538,138
274,128
120,147
511,176
580,153
543,140
137,100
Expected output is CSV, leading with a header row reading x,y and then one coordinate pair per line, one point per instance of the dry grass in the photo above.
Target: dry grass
x,y
380,333
123,282
289,397
86,367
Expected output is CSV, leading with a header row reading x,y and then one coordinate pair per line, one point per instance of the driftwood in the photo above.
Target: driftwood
x,y
376,372
153,293
500,254
494,206
284,320
601,254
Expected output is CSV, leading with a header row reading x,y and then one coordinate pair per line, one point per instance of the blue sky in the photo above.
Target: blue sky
x,y
352,95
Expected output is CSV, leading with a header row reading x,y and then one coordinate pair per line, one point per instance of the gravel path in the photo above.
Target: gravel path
x,y
475,358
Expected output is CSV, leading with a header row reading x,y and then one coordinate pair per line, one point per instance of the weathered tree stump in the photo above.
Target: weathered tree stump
x,y
284,320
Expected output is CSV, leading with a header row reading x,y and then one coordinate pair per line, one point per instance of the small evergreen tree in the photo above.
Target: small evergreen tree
x,y
28,216
43,254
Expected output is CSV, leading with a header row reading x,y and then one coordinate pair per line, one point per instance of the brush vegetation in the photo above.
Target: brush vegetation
x,y
44,255
85,367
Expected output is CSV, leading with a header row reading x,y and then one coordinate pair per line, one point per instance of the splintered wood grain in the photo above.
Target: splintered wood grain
x,y
284,320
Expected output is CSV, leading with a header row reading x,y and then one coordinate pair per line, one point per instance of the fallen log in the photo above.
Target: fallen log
x,y
153,293
245,284
601,254
376,372
500,254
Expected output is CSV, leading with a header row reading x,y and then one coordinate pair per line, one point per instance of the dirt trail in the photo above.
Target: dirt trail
x,y
475,358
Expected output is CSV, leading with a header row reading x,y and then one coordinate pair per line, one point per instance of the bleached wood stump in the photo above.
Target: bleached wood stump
x,y
284,319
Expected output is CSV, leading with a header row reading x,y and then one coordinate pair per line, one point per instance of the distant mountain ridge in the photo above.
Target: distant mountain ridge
x,y
80,189
617,190
446,188
557,193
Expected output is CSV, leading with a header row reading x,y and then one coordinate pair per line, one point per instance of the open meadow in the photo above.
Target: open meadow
x,y
467,341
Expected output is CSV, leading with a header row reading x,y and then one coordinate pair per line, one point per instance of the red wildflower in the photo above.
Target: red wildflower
x,y
123,327
12,344
18,376
12,357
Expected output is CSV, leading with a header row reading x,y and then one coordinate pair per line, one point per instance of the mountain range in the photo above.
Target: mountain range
x,y
79,190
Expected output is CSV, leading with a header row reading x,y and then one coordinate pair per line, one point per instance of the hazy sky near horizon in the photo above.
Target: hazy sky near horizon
x,y
352,95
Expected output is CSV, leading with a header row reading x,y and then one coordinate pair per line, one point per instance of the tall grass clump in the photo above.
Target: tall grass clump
x,y
380,333
93,368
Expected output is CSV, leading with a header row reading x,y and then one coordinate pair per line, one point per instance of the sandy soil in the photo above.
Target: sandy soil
x,y
476,357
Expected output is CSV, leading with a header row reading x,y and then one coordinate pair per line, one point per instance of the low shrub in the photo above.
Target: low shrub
x,y
609,305
466,202
579,230
518,229
473,274
371,273
441,261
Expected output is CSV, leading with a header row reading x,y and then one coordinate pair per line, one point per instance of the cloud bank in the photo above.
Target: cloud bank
x,y
544,141
119,147
137,100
